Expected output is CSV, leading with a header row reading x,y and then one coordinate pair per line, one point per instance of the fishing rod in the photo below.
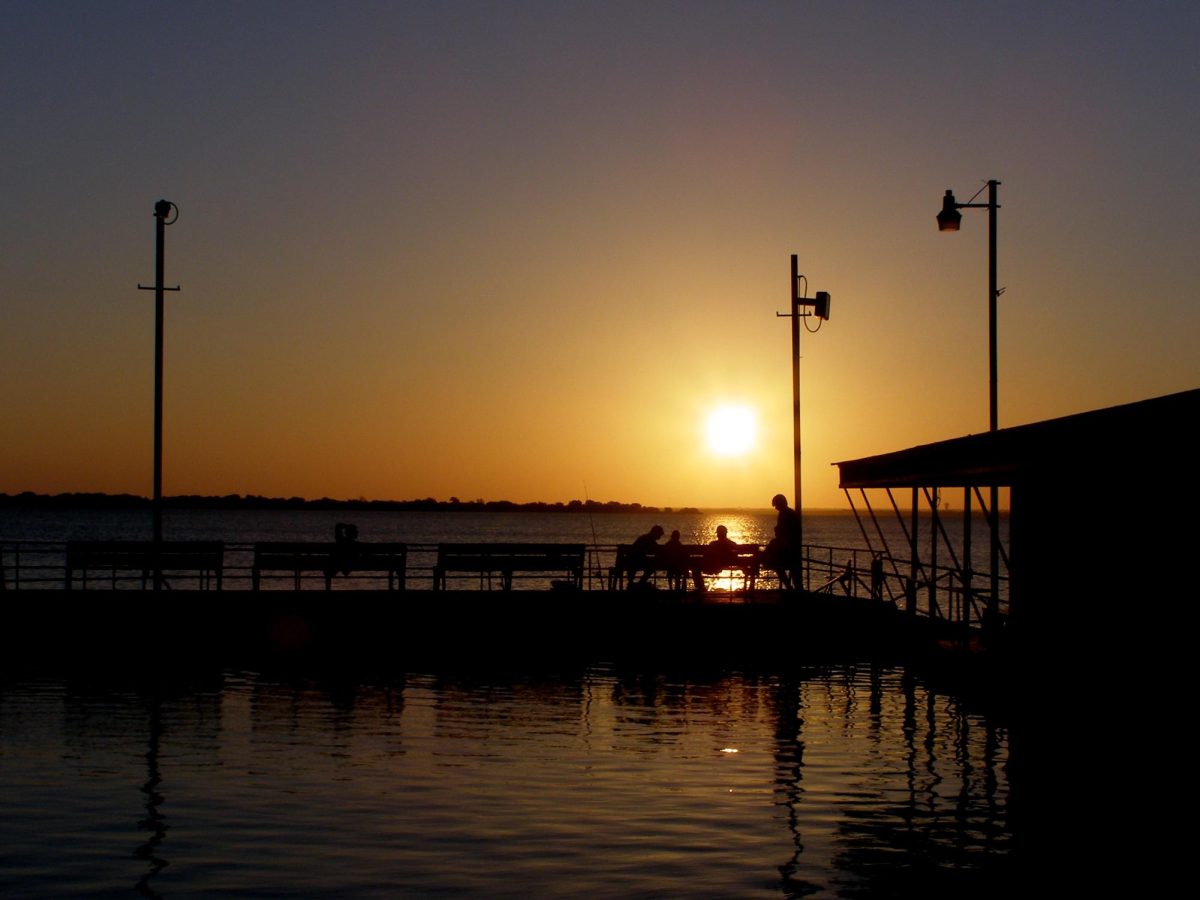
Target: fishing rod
x,y
595,540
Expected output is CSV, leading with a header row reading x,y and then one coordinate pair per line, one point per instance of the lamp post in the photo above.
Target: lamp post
x,y
162,212
800,308
948,220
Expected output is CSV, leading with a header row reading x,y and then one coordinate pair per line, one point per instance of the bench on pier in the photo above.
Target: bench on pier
x,y
329,558
486,560
694,561
204,558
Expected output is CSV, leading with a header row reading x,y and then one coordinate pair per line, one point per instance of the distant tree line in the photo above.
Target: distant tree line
x,y
255,501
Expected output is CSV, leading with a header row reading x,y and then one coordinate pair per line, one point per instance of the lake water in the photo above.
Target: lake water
x,y
844,780
594,777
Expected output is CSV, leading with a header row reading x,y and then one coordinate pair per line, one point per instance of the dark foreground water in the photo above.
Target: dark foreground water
x,y
838,781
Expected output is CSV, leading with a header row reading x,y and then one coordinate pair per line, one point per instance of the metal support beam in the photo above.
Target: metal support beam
x,y
933,544
966,562
915,561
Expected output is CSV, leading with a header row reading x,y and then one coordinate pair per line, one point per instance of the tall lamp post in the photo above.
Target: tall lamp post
x,y
948,220
162,217
802,307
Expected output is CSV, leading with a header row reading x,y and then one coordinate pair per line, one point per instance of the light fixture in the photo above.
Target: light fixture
x,y
949,218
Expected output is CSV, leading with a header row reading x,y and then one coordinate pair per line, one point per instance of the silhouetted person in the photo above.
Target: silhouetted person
x,y
876,578
784,553
719,555
345,539
642,553
674,556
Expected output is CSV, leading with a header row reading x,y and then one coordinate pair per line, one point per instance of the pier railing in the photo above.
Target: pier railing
x,y
947,592
942,592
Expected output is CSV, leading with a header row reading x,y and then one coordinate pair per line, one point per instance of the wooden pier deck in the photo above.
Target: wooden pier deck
x,y
134,630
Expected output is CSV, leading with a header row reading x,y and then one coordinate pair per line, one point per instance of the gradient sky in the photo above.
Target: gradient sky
x,y
510,250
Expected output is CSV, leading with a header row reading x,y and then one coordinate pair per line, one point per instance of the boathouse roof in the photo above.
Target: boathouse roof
x,y
1084,445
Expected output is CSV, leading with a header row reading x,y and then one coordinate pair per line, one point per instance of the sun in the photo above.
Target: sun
x,y
731,430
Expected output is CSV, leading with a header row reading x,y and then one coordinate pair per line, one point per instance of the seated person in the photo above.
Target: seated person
x,y
674,556
642,554
719,555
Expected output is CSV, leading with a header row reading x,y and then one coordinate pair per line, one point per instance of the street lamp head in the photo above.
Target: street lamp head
x,y
949,218
163,209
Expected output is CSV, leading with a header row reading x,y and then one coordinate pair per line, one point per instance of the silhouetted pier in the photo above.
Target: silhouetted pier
x,y
1071,480
211,567
578,614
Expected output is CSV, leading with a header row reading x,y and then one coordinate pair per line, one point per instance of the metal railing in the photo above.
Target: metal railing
x,y
941,593
41,565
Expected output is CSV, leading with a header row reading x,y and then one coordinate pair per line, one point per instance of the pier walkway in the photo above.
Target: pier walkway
x,y
839,578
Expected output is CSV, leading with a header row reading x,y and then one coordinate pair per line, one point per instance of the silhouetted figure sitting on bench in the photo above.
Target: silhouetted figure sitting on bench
x,y
784,553
345,538
642,553
675,558
719,555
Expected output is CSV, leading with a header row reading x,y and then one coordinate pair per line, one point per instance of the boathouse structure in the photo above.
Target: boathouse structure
x,y
1099,502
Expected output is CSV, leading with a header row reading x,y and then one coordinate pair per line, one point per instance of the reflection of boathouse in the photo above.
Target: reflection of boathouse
x,y
1093,497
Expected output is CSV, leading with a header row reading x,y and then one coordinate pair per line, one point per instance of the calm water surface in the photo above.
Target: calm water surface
x,y
839,529
844,780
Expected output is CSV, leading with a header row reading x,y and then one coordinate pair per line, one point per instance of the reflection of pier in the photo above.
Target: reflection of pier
x,y
643,780
928,823
154,822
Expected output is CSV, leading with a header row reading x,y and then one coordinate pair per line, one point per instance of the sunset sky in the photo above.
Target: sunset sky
x,y
520,250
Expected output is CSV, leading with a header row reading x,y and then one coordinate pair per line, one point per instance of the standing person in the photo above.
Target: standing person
x,y
784,553
642,553
345,542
